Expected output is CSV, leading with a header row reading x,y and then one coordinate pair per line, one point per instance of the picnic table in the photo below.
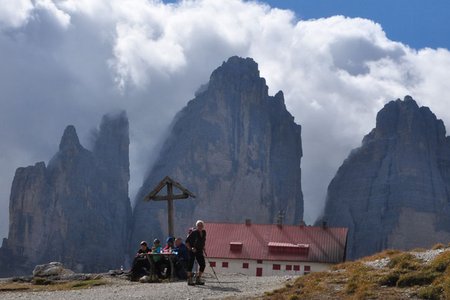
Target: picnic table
x,y
167,255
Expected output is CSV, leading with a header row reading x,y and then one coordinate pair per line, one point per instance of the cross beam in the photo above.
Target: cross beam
x,y
169,183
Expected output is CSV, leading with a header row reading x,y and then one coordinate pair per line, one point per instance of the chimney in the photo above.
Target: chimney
x,y
248,222
280,219
324,224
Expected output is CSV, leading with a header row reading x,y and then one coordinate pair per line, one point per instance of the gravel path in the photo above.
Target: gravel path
x,y
231,287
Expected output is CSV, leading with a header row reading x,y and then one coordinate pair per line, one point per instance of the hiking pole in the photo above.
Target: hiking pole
x,y
206,255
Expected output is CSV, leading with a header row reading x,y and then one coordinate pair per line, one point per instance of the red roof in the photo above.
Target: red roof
x,y
272,242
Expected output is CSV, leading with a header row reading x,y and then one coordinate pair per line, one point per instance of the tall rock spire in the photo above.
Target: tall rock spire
x,y
77,209
69,140
394,191
236,148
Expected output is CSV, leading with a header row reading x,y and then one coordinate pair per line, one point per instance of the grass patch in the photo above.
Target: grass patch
x,y
13,287
51,286
404,261
441,262
430,292
342,266
88,283
438,246
304,287
445,285
390,279
418,250
41,281
404,276
422,277
361,280
388,253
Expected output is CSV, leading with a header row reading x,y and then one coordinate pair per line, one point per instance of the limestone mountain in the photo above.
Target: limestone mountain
x,y
76,210
236,148
394,190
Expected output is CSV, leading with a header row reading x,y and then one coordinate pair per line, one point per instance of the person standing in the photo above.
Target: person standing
x,y
195,269
195,244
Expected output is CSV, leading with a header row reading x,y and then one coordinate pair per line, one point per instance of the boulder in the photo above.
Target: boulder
x,y
51,269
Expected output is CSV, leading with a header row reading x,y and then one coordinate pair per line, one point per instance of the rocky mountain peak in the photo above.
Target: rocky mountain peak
x,y
393,191
236,148
69,140
405,118
238,67
237,74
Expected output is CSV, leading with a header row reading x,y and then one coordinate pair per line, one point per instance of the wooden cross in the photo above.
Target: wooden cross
x,y
169,183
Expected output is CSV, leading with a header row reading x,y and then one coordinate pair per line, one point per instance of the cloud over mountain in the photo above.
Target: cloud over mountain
x,y
71,61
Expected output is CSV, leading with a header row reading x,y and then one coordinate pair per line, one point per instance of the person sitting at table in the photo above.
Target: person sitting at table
x,y
141,265
157,259
165,263
169,245
156,246
181,253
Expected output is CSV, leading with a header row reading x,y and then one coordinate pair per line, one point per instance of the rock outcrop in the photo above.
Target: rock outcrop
x,y
76,210
236,148
394,191
51,269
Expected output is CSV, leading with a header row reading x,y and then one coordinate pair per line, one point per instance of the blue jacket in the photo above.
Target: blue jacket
x,y
182,252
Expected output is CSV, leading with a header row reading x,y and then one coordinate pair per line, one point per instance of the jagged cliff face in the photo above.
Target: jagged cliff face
x,y
394,191
76,210
236,148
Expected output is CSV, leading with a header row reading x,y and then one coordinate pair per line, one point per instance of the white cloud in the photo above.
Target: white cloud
x,y
62,18
14,13
17,13
149,58
140,52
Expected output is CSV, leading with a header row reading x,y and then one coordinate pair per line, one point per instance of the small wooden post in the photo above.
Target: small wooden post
x,y
169,183
170,207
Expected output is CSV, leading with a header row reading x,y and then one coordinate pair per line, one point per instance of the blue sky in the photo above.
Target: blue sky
x,y
417,23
